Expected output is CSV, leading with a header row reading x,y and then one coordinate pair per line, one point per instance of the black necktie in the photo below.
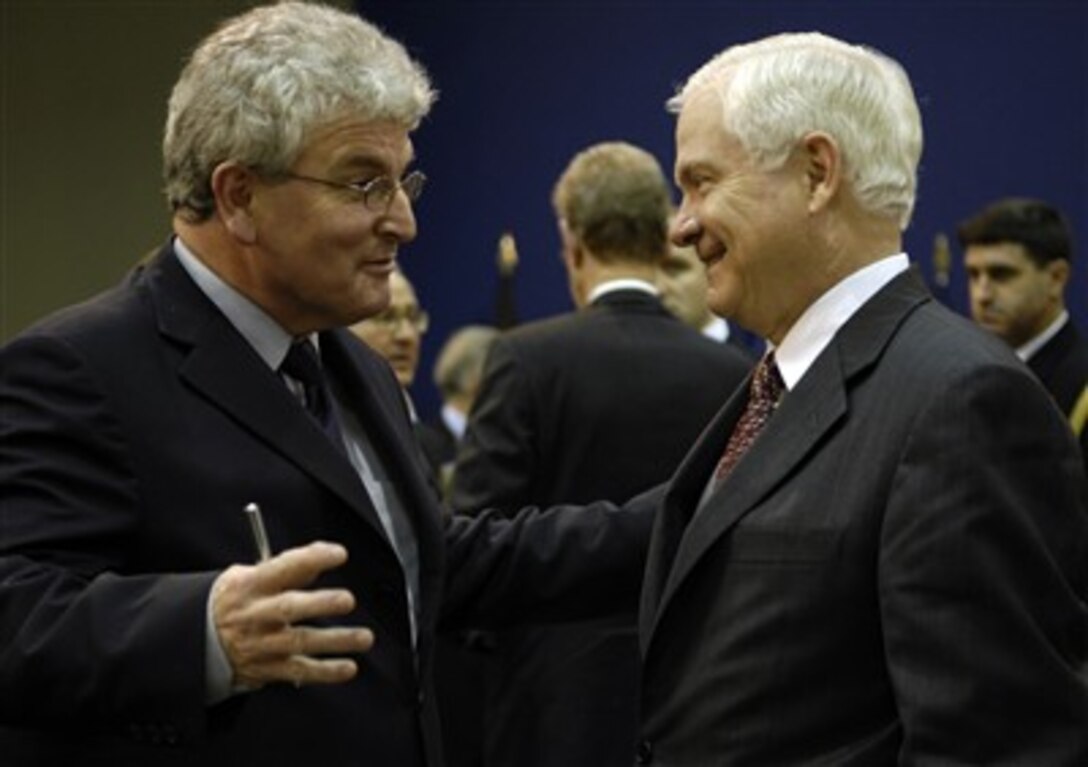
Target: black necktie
x,y
302,365
764,392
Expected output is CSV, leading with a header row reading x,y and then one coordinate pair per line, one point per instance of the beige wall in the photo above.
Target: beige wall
x,y
83,91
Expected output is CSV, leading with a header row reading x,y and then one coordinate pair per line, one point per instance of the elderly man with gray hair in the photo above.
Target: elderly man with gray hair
x,y
875,554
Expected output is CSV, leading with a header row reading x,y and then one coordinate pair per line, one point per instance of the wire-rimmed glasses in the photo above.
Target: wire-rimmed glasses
x,y
377,193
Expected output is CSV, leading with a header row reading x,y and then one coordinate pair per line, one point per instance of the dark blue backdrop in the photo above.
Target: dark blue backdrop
x,y
524,85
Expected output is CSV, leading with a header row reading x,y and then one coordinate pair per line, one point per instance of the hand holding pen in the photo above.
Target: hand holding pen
x,y
259,610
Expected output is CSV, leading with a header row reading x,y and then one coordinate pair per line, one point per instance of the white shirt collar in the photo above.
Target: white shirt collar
x,y
455,421
819,323
627,283
717,330
1026,351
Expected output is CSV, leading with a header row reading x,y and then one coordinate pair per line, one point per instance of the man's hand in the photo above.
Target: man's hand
x,y
256,609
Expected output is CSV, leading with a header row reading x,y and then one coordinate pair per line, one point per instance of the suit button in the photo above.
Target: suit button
x,y
645,752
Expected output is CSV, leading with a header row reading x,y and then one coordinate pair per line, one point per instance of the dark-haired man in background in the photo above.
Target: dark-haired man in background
x,y
1019,257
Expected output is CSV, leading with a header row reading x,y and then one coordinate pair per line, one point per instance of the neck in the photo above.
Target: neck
x,y
843,253
594,273
211,243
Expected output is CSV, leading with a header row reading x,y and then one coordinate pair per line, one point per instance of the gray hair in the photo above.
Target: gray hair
x,y
460,363
255,89
776,90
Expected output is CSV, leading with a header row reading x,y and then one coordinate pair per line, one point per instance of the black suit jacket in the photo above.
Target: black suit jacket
x,y
600,403
1062,366
895,573
134,429
597,404
438,444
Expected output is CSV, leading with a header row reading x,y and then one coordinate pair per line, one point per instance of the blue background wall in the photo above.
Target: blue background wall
x,y
524,85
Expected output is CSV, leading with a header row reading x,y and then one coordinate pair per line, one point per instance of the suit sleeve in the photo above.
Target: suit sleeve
x,y
81,638
983,580
498,458
544,565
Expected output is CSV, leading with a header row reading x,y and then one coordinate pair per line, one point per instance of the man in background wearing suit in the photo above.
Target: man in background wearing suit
x,y
1018,254
396,334
136,428
597,404
458,373
877,554
682,282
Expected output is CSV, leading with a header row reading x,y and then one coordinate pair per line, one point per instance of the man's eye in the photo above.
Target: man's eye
x,y
363,183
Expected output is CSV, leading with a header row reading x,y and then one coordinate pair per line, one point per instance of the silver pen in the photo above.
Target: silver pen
x,y
260,537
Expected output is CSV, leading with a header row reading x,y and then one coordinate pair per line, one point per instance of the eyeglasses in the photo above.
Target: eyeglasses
x,y
389,321
377,193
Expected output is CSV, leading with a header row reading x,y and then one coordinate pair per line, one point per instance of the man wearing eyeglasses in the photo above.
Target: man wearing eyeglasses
x,y
396,334
214,406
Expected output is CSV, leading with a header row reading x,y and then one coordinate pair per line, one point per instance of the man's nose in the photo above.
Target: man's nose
x,y
684,229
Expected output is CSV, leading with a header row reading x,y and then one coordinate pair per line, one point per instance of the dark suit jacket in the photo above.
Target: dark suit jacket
x,y
895,573
439,446
134,430
600,403
438,442
1062,366
597,404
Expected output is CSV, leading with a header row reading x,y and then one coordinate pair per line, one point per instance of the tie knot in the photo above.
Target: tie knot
x,y
301,363
764,392
767,384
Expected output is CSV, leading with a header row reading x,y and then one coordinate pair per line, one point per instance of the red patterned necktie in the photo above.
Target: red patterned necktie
x,y
764,391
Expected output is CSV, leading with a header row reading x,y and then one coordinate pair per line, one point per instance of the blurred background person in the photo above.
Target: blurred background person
x,y
396,334
458,372
600,403
1018,255
681,279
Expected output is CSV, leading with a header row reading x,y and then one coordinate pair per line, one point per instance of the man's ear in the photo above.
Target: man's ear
x,y
822,160
232,185
1058,269
572,253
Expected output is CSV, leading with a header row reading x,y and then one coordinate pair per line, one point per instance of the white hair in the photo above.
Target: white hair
x,y
776,90
256,87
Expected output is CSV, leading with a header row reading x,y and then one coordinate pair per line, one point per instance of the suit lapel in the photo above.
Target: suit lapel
x,y
680,501
804,416
368,386
218,363
807,413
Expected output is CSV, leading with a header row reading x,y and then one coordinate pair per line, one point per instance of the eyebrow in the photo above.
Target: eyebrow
x,y
685,173
362,163
368,162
